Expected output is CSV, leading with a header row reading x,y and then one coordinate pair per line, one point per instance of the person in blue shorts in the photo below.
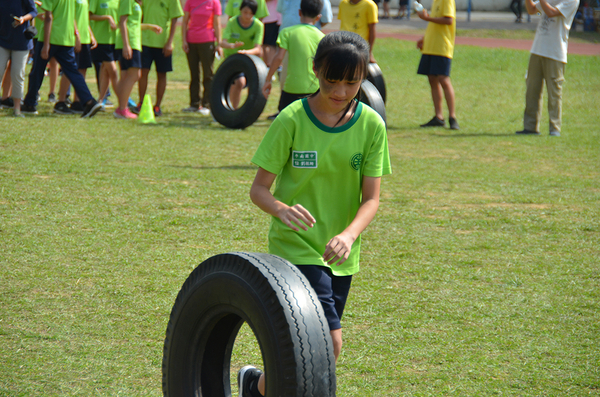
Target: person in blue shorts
x,y
327,154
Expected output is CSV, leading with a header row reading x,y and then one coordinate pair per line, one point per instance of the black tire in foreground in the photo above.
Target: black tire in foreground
x,y
375,76
255,71
280,307
370,95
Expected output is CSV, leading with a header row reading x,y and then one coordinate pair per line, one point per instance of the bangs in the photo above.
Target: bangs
x,y
342,64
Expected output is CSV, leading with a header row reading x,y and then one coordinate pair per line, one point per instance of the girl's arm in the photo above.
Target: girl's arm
x,y
168,48
127,53
257,50
48,18
184,28
277,59
260,194
217,25
338,248
424,15
111,21
148,26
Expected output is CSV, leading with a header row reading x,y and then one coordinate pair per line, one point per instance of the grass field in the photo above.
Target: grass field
x,y
480,274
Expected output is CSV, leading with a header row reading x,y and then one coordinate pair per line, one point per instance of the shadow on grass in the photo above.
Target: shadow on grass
x,y
203,122
471,135
405,131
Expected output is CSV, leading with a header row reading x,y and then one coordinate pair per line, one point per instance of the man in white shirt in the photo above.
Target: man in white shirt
x,y
547,62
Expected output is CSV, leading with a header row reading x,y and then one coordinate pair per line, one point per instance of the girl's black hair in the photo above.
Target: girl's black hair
x,y
342,56
251,4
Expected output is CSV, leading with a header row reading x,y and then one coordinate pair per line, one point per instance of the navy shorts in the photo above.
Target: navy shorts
x,y
151,54
134,62
286,99
104,53
83,58
271,32
331,290
434,65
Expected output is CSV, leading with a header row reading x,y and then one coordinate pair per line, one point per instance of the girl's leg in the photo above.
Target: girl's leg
x,y
207,59
108,75
235,92
436,96
54,71
5,70
125,86
193,58
161,87
446,85
143,84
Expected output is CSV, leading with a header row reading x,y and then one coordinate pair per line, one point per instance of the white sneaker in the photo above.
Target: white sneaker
x,y
191,109
204,111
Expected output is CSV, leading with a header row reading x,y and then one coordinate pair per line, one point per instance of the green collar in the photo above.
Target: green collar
x,y
333,130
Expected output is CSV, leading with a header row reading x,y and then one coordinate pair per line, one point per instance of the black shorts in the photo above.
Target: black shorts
x,y
104,53
403,2
134,62
152,54
83,58
434,65
286,99
271,32
331,290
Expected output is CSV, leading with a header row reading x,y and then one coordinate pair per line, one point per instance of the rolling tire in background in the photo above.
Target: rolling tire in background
x,y
370,96
375,76
281,308
255,71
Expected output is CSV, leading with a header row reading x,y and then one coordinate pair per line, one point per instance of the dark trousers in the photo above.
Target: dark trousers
x,y
200,54
65,56
515,6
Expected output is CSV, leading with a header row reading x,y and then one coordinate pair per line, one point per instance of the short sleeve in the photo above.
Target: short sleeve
x,y
175,10
326,13
274,151
282,39
567,8
260,31
217,8
449,9
372,16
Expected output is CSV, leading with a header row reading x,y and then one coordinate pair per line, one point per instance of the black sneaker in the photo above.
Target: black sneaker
x,y
453,124
91,108
28,109
434,122
273,116
246,377
62,108
76,107
7,103
527,132
52,98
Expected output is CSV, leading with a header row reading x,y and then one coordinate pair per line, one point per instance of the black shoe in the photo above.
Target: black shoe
x,y
247,380
52,98
91,108
453,124
28,109
76,107
273,116
434,122
7,103
62,108
527,132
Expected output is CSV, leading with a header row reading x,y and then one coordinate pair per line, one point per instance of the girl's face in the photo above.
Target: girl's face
x,y
246,15
338,93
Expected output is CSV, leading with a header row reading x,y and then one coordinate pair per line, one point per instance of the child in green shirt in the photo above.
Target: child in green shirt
x,y
244,35
326,154
301,41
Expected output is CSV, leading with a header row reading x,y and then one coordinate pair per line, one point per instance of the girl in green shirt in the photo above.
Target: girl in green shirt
x,y
327,154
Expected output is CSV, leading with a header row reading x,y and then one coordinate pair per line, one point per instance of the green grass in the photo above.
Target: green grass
x,y
479,275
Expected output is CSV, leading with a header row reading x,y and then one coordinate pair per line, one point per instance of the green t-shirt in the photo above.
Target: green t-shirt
x,y
322,169
250,36
102,31
39,23
134,24
301,42
82,19
63,22
233,9
159,12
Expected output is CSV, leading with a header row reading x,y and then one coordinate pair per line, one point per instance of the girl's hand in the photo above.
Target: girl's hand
x,y
420,43
167,50
186,47
156,29
45,50
112,23
423,14
127,53
220,51
338,249
266,89
297,215
238,44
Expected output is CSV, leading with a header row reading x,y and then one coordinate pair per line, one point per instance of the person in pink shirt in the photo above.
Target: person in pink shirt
x,y
272,23
201,30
